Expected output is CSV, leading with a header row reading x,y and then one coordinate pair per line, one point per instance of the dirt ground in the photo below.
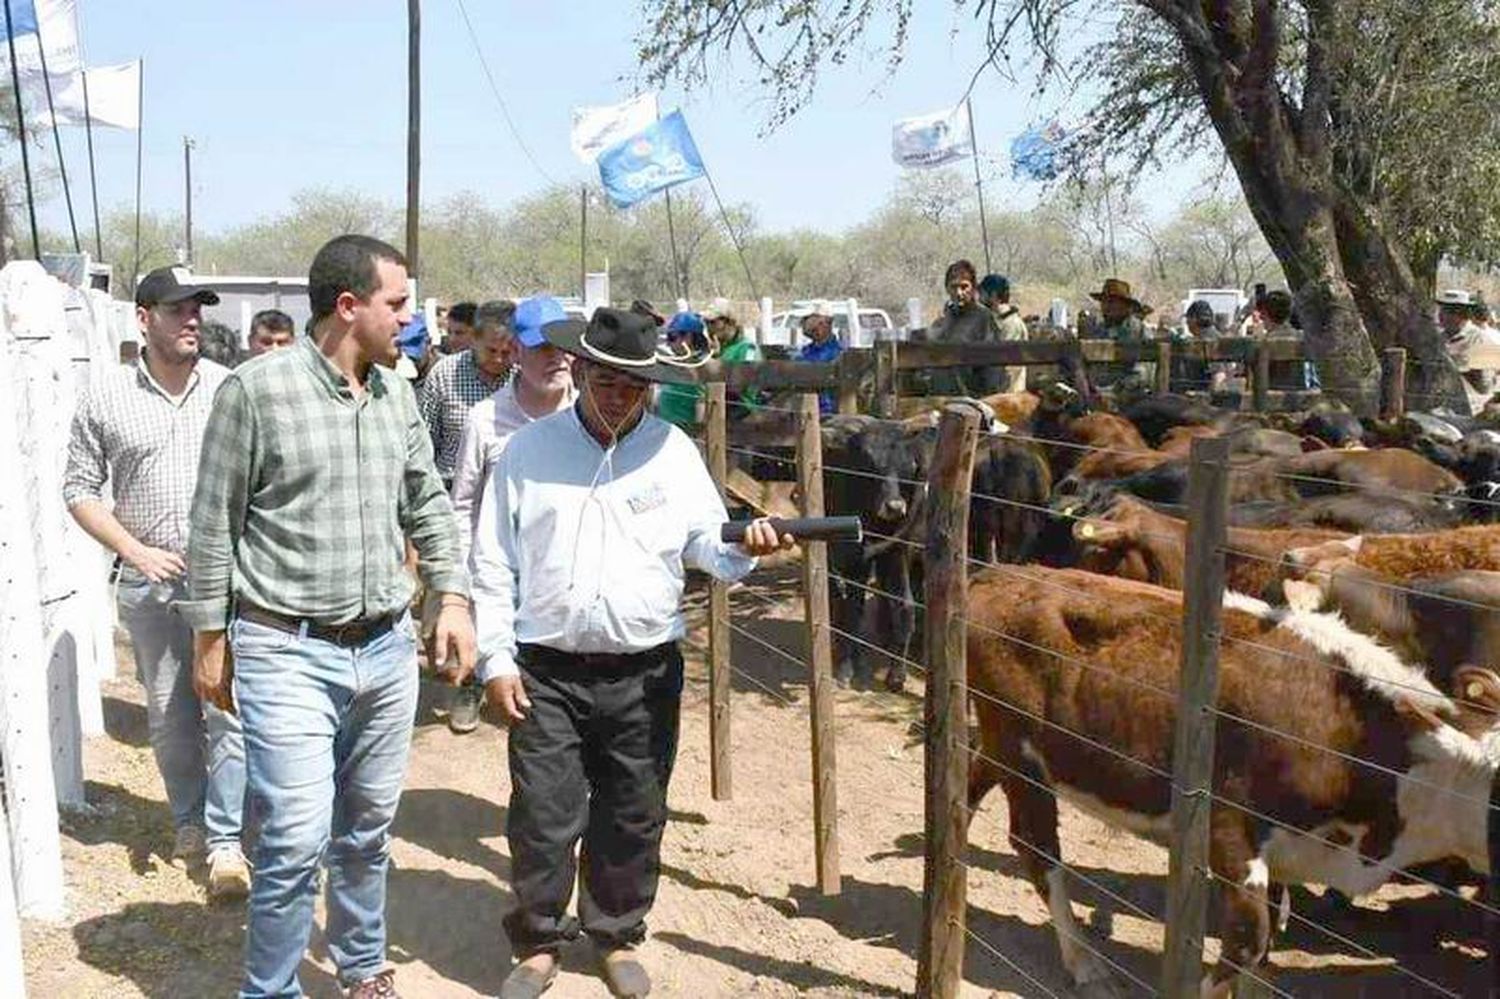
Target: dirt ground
x,y
736,915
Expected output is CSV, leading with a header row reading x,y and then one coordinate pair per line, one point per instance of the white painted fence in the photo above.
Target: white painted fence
x,y
56,617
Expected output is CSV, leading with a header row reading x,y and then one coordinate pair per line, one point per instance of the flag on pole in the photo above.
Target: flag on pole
x,y
114,96
52,23
1037,153
659,156
596,129
22,19
932,140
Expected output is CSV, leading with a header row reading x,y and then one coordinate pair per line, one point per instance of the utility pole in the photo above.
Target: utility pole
x,y
583,242
15,83
413,129
187,181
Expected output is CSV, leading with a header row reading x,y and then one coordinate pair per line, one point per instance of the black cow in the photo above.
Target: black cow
x,y
1007,514
876,470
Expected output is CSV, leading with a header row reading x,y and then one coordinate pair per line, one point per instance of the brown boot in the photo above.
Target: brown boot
x,y
624,975
531,977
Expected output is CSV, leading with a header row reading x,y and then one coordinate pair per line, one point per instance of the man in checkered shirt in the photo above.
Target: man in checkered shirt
x,y
459,382
455,385
140,427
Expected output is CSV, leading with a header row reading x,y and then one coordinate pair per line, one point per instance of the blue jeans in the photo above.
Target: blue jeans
x,y
198,748
327,732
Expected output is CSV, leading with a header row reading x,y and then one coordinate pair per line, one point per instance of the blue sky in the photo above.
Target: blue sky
x,y
281,96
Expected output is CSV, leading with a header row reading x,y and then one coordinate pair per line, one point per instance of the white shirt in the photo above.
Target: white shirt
x,y
489,427
582,549
1478,385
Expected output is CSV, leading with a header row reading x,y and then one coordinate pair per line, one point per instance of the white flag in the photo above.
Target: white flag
x,y
57,27
931,140
596,129
114,96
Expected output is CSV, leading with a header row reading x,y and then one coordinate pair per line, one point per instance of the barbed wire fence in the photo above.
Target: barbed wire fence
x,y
1189,769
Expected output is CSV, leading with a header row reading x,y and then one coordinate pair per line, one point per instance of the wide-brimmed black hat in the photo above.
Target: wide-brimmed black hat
x,y
625,341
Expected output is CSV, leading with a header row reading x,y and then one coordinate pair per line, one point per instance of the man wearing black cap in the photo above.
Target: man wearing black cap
x,y
140,427
587,523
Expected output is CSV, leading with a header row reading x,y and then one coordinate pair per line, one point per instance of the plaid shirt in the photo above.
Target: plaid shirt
x,y
128,429
454,386
306,492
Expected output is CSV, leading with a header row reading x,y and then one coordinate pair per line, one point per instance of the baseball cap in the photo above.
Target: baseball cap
x,y
685,324
531,315
1455,296
413,337
166,285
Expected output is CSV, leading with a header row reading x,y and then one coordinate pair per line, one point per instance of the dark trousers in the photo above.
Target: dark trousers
x,y
591,760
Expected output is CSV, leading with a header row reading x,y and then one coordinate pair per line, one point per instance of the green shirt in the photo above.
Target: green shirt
x,y
679,403
306,494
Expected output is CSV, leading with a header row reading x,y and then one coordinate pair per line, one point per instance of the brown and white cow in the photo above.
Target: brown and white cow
x,y
1062,662
1132,541
1405,556
1443,620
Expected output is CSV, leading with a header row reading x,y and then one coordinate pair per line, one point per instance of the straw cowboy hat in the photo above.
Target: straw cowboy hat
x,y
1116,288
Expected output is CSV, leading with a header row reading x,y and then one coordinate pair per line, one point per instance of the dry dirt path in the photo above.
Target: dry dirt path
x,y
735,916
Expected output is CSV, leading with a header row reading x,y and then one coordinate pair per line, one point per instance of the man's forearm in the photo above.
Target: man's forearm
x,y
100,523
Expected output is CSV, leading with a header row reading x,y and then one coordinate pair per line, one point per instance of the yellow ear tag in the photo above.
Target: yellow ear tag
x,y
1474,691
1087,530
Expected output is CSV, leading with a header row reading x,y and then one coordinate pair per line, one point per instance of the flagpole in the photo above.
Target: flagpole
x,y
88,131
984,226
583,241
62,165
672,239
15,82
140,140
733,236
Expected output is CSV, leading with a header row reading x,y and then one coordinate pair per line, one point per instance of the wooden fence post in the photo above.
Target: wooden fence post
x,y
1188,886
848,401
819,648
940,958
1260,376
719,668
1393,383
887,380
1163,367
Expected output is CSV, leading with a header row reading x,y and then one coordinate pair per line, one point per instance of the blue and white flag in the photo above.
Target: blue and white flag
x,y
1037,153
654,159
932,140
595,129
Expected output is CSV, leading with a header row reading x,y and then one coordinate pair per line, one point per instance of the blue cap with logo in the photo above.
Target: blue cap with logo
x,y
531,315
413,337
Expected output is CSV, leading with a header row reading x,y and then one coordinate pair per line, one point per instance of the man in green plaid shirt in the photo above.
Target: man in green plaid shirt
x,y
316,467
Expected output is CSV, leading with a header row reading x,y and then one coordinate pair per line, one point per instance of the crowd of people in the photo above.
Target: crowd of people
x,y
272,525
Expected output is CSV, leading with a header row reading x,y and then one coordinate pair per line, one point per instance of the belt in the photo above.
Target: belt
x,y
544,655
348,635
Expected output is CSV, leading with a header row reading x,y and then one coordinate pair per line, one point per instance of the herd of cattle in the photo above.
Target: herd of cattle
x,y
1358,723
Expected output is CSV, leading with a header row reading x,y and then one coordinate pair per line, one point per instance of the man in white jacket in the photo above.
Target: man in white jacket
x,y
588,521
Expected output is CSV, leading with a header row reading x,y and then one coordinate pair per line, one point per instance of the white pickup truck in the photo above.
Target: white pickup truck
x,y
786,327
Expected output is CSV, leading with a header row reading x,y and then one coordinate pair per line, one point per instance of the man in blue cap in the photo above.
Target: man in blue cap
x,y
687,336
416,350
542,384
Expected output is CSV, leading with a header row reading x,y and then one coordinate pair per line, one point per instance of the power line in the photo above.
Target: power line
x,y
495,89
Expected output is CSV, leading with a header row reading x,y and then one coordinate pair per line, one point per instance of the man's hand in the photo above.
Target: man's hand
x,y
213,670
761,539
156,564
454,640
507,695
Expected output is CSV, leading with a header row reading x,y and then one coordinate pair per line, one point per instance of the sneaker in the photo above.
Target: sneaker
x,y
228,873
531,977
191,844
463,715
381,986
624,975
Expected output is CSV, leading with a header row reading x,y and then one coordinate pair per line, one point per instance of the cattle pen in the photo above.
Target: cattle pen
x,y
1201,721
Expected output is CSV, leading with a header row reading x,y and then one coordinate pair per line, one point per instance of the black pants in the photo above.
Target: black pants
x,y
592,759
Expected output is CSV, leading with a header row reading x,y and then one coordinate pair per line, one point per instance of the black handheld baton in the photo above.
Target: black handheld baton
x,y
801,528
